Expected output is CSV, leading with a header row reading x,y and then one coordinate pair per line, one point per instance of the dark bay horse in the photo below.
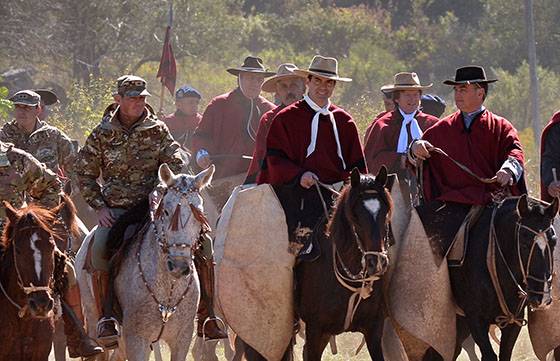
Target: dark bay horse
x,y
31,274
352,242
520,235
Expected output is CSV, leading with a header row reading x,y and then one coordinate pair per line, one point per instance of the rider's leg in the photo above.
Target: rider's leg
x,y
79,344
204,262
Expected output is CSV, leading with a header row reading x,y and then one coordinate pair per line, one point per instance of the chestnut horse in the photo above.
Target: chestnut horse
x,y
31,277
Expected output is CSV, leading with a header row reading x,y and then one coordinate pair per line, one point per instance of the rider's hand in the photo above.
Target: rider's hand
x,y
203,161
421,149
105,218
308,179
554,189
504,178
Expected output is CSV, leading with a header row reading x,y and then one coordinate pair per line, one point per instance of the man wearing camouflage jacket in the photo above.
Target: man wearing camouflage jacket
x,y
126,149
23,178
46,143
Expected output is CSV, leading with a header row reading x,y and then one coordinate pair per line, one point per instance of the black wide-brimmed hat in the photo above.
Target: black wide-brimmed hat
x,y
48,97
252,64
469,75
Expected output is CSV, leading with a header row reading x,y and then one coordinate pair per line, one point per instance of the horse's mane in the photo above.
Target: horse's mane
x,y
69,215
32,215
340,222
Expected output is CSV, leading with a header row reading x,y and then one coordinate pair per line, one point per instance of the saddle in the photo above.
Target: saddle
x,y
305,216
448,225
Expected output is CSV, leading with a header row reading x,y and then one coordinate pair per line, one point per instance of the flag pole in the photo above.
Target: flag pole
x,y
161,95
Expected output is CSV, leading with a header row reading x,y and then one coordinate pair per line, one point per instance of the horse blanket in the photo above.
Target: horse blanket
x,y
254,275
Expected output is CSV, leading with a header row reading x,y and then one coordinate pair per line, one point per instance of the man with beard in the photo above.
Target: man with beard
x,y
228,128
288,88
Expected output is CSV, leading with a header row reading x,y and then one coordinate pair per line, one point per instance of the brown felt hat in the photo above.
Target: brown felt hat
x,y
251,64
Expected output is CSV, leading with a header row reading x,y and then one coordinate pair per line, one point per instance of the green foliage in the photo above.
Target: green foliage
x,y
6,106
85,108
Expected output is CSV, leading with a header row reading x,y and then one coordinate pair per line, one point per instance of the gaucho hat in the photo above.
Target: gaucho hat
x,y
252,64
323,67
48,97
469,75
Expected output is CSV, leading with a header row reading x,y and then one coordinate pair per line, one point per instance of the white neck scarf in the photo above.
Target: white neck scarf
x,y
415,131
315,127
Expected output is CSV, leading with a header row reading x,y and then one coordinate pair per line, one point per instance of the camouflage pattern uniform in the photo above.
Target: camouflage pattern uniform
x,y
24,179
47,143
128,161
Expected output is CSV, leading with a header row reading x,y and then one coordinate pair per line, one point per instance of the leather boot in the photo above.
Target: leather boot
x,y
207,325
78,342
107,326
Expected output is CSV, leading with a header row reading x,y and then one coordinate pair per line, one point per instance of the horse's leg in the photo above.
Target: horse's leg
x,y
373,343
479,331
179,349
59,341
137,349
507,341
315,343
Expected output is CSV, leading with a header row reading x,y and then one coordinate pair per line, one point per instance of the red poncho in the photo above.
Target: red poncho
x,y
290,135
182,126
544,188
223,131
260,145
381,144
483,148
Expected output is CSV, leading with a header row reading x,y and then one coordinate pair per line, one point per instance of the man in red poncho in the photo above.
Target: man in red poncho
x,y
313,139
392,133
550,159
287,88
484,142
226,134
184,120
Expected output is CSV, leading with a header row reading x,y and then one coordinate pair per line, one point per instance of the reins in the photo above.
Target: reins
x,y
463,167
365,288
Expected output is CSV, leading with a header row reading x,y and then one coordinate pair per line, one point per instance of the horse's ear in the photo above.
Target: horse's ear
x,y
68,188
523,206
204,178
11,213
355,177
552,210
166,175
381,177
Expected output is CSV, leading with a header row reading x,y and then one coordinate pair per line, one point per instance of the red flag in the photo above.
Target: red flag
x,y
167,67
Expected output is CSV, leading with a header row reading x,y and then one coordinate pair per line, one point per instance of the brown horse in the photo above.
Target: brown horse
x,y
31,275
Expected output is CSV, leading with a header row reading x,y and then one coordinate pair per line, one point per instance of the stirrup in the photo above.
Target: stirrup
x,y
214,318
108,342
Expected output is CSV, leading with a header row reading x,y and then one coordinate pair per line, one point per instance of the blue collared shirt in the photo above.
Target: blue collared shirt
x,y
469,117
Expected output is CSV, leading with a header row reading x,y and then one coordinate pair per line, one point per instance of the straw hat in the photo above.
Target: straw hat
x,y
405,81
285,70
322,67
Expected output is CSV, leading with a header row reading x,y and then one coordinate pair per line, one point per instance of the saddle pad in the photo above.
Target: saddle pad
x,y
254,277
544,326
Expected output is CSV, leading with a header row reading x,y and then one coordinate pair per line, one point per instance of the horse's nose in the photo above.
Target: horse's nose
x,y
40,305
178,267
377,265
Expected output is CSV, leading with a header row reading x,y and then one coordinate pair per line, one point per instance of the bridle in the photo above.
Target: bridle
x,y
158,221
525,269
523,291
27,290
360,284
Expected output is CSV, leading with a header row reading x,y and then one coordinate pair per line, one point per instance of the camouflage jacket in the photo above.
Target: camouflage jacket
x,y
125,161
46,143
23,178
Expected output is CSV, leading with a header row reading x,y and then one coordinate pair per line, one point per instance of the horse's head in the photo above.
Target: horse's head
x,y
29,243
179,218
360,221
535,247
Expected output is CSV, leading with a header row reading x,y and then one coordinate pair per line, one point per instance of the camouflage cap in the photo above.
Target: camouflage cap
x,y
26,97
132,86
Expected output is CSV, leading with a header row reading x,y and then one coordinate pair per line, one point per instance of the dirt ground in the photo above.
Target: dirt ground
x,y
347,346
